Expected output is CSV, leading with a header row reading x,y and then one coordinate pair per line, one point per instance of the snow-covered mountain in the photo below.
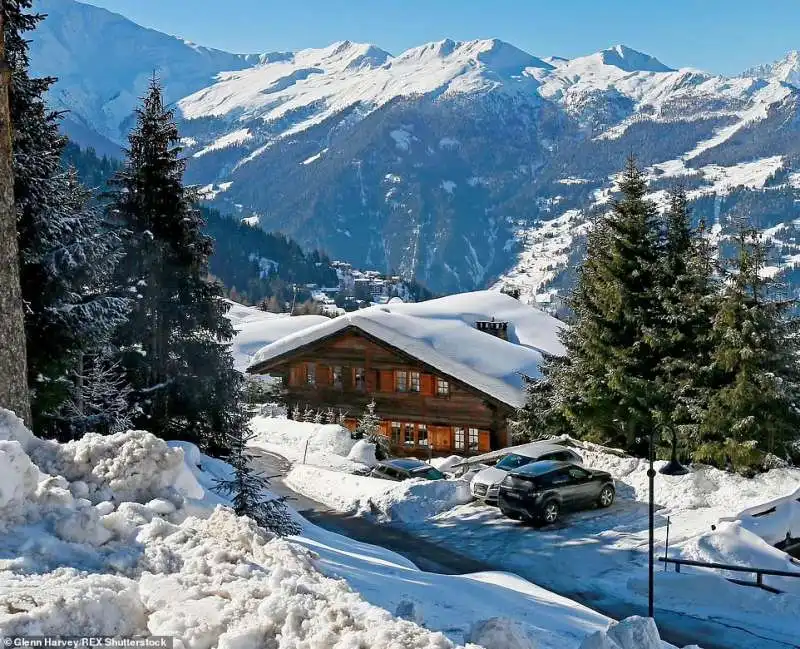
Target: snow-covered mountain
x,y
461,164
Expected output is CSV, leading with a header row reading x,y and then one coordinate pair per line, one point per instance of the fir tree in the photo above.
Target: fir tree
x,y
754,407
605,390
175,345
100,399
249,490
67,251
369,428
687,295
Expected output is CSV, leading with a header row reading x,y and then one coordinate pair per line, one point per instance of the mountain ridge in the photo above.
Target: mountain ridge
x,y
465,163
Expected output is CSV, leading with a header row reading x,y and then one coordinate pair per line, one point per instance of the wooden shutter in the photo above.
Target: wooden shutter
x,y
484,443
296,375
441,437
372,379
426,384
323,375
387,381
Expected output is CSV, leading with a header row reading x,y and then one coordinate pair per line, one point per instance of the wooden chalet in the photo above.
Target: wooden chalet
x,y
429,399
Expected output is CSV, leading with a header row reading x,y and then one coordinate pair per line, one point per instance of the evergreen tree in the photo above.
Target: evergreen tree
x,y
687,296
249,490
754,407
606,389
100,399
66,250
369,428
175,345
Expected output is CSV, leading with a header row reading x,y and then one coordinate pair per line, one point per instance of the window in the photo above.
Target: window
x,y
408,437
311,374
513,461
359,378
336,377
578,474
396,430
413,382
401,381
442,387
473,439
422,435
459,439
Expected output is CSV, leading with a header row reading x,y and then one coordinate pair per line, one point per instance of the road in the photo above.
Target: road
x,y
677,628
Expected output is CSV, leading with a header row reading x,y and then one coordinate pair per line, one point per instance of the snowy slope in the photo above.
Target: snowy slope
x,y
104,63
382,160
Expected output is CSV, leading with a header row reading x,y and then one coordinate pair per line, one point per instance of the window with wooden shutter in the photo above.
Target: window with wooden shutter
x,y
323,375
386,382
311,374
427,384
484,443
441,437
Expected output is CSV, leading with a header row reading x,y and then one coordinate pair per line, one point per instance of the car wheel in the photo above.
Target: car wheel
x,y
550,512
606,497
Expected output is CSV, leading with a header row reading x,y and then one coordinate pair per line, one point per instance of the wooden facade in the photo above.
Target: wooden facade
x,y
423,411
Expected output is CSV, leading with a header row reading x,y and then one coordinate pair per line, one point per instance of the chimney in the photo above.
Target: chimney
x,y
493,328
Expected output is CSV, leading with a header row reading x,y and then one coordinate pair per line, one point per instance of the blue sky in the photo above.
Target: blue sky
x,y
723,36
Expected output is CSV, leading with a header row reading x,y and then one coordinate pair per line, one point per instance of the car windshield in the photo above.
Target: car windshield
x,y
513,461
428,474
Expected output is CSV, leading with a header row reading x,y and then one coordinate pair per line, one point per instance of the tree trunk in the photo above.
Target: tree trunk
x,y
13,366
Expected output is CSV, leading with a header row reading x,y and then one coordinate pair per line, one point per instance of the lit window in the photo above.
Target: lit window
x,y
414,382
336,377
311,374
473,439
408,438
396,431
401,381
459,439
359,378
442,387
422,435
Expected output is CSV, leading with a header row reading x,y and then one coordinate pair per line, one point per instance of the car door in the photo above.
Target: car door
x,y
561,482
583,487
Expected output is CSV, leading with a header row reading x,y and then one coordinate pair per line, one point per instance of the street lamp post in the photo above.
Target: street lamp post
x,y
651,475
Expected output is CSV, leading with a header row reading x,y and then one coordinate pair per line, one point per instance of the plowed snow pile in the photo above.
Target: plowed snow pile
x,y
114,536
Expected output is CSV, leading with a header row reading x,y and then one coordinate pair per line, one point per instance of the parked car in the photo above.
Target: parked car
x,y
542,490
405,469
486,483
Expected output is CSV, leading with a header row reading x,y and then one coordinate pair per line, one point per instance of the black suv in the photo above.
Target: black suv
x,y
542,490
405,469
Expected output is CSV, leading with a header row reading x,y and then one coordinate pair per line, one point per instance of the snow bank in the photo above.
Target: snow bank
x,y
408,501
631,633
328,445
107,547
363,452
500,633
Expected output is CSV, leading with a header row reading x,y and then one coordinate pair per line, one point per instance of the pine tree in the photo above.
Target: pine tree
x,y
175,345
687,296
605,391
13,369
754,407
66,250
369,428
249,490
100,399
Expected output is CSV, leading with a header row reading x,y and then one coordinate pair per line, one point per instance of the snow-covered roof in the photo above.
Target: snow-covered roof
x,y
442,334
255,329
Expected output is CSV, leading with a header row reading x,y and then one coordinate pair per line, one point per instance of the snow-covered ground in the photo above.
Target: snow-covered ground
x,y
600,555
411,501
122,535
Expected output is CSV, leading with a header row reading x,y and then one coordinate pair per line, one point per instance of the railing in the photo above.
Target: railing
x,y
759,572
